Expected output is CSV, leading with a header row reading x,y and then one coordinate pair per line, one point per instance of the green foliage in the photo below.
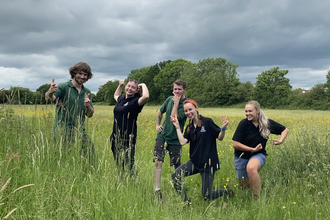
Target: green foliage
x,y
212,82
146,75
20,95
3,95
105,93
244,93
294,179
172,71
43,88
272,88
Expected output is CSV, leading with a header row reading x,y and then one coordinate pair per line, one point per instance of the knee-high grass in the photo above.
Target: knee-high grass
x,y
39,179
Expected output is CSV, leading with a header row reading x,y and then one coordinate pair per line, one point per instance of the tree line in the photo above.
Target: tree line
x,y
212,82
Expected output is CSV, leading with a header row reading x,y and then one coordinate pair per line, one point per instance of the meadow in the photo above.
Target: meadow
x,y
39,181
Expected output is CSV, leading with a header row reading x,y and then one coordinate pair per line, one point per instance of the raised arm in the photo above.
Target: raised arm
x,y
222,133
176,101
49,96
118,90
175,122
145,94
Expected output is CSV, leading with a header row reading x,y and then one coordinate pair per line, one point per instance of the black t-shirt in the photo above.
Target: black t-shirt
x,y
248,134
125,113
203,146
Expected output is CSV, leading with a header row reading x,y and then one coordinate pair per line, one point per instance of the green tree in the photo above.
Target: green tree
x,y
212,82
171,72
272,88
244,93
317,97
20,95
3,95
43,88
146,75
105,93
326,85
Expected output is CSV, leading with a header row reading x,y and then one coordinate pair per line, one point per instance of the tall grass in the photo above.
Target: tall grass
x,y
39,180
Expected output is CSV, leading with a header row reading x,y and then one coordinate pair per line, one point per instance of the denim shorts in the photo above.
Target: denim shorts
x,y
241,163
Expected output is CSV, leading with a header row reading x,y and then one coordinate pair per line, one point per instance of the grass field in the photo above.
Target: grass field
x,y
38,181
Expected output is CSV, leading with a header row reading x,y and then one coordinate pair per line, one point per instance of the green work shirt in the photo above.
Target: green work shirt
x,y
70,108
168,133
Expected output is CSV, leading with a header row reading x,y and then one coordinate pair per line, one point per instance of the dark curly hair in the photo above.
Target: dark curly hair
x,y
81,67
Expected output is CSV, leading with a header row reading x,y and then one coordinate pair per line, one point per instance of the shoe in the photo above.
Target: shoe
x,y
229,193
185,206
159,197
186,203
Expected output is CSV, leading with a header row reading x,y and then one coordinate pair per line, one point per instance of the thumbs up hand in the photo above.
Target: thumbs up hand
x,y
53,87
49,96
87,101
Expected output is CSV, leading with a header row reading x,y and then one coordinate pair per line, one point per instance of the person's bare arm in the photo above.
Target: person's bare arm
x,y
118,90
284,134
175,122
145,94
159,128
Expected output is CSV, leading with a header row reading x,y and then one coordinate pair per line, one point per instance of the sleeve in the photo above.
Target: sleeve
x,y
215,129
59,93
240,131
275,128
163,107
137,106
119,98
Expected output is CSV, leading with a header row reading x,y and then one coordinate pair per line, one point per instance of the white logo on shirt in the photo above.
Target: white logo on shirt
x,y
126,104
203,129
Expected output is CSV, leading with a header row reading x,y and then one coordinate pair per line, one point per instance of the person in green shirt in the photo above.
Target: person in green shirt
x,y
73,103
173,106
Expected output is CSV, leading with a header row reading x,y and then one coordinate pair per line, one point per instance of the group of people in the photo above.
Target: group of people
x,y
249,140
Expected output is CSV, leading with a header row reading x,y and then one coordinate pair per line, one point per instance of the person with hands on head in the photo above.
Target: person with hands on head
x,y
249,141
201,133
126,111
172,106
73,104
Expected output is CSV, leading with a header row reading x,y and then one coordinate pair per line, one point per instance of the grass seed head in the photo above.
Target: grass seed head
x,y
23,187
5,186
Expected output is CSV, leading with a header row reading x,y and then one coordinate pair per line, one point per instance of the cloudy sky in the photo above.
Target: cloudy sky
x,y
41,39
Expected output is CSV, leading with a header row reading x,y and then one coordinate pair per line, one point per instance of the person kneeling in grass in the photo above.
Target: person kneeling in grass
x,y
201,133
249,141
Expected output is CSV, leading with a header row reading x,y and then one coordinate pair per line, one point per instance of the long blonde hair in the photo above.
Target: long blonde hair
x,y
263,120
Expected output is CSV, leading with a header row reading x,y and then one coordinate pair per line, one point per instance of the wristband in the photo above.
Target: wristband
x,y
223,128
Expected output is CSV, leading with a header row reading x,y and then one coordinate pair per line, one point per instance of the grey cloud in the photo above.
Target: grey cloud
x,y
42,39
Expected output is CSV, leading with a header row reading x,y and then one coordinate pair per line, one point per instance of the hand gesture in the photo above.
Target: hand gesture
x,y
276,142
87,101
257,148
53,87
175,121
159,128
140,86
176,99
225,121
121,83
